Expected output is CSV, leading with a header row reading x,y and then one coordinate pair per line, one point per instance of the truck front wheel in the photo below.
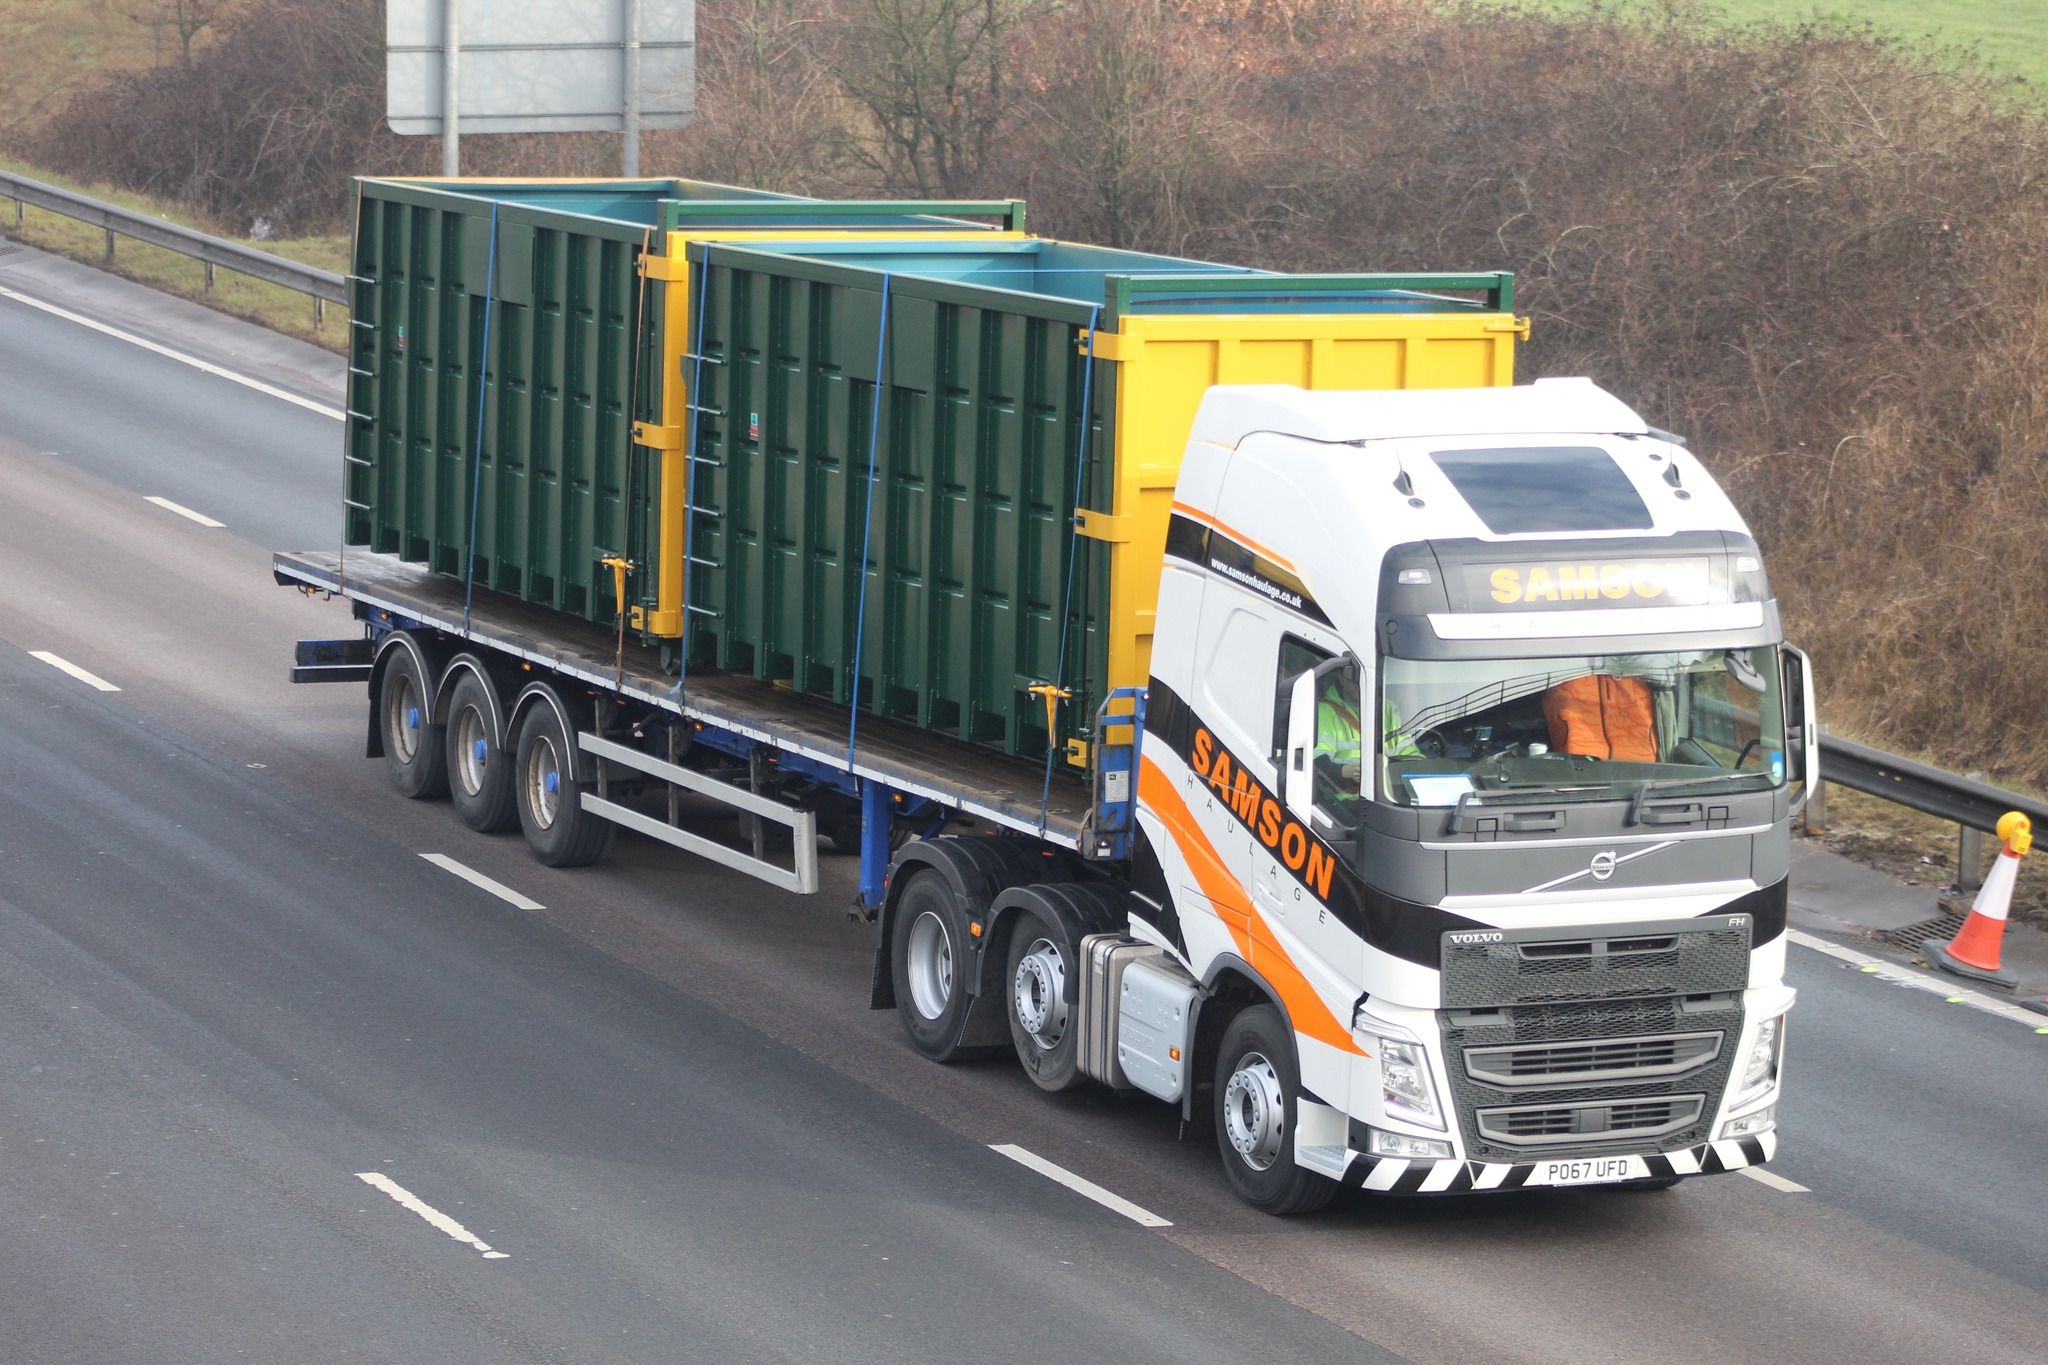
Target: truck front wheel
x,y
1258,1090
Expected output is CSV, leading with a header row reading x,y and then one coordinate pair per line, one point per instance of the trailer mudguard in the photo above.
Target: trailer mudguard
x,y
978,868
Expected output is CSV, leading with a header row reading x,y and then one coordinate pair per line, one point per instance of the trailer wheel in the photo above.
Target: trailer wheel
x,y
479,769
1258,1089
1043,1024
414,747
928,961
558,829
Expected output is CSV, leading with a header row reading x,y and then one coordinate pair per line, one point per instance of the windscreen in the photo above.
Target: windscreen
x,y
1580,728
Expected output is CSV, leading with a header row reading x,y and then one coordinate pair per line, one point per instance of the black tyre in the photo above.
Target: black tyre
x,y
1258,1091
558,829
415,751
1045,1027
928,963
479,770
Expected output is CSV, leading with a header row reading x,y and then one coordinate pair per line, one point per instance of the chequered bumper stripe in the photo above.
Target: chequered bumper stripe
x,y
1394,1175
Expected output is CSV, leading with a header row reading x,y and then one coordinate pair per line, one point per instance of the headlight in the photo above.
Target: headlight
x,y
1405,1087
1760,1067
1383,1143
1749,1125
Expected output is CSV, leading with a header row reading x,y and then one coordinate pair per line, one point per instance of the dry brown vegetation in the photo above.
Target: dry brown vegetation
x,y
1817,252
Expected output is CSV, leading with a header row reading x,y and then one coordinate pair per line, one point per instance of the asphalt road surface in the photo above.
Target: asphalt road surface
x,y
231,987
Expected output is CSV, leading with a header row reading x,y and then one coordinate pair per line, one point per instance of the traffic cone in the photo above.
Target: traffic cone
x,y
1973,952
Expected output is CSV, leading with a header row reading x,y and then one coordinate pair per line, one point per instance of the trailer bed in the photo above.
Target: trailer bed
x,y
1006,791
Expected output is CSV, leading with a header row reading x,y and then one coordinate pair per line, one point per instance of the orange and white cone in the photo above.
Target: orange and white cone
x,y
1973,952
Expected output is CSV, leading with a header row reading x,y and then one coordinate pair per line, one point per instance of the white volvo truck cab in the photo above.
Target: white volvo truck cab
x,y
1471,750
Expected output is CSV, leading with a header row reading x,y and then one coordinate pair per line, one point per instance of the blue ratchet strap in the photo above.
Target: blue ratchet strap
x,y
1059,681
860,617
483,375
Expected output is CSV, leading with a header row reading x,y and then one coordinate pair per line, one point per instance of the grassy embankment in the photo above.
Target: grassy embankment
x,y
268,305
2011,36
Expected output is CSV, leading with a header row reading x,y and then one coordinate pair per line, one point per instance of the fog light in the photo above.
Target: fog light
x,y
1383,1143
1749,1125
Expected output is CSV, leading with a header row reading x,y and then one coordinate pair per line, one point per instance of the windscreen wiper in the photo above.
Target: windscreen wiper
x,y
1476,797
1635,805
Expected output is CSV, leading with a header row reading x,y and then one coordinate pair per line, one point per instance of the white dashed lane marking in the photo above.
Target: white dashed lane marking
x,y
1773,1179
476,878
183,511
1115,1203
407,1199
66,666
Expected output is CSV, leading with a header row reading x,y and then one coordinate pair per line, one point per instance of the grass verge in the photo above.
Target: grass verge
x,y
266,305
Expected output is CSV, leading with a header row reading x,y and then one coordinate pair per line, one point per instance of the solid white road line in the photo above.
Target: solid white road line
x,y
65,665
407,1199
1772,1179
183,511
1115,1203
1948,988
194,361
476,878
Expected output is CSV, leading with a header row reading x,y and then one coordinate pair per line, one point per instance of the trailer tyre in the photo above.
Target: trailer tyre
x,y
928,961
1258,1091
415,751
1044,1024
479,770
558,829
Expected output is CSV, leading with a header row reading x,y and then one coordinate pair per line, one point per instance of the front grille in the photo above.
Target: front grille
x,y
1485,1048
1590,1061
1684,958
1636,1120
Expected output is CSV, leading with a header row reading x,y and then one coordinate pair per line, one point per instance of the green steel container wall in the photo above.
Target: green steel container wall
x,y
552,484
961,595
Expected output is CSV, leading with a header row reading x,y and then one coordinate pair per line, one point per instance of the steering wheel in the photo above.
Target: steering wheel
x,y
1432,744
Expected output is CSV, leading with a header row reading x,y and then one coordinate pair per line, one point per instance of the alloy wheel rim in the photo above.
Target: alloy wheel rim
x,y
929,960
1040,994
1255,1111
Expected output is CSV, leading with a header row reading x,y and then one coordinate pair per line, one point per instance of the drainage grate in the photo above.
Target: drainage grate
x,y
1941,928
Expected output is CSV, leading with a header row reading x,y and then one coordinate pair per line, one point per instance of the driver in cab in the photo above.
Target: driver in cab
x,y
1598,716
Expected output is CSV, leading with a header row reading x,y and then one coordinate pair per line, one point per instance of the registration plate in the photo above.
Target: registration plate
x,y
1590,1170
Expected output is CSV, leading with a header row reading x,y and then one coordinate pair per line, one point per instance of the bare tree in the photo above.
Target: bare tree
x,y
187,19
933,75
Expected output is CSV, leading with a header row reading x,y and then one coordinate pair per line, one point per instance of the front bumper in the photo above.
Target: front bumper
x,y
1395,1175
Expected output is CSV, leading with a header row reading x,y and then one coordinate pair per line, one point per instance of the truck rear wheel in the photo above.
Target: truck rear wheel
x,y
558,829
1043,1023
414,747
479,769
1258,1090
928,962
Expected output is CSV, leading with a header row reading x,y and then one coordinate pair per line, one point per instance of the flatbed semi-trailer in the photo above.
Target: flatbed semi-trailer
x,y
1402,774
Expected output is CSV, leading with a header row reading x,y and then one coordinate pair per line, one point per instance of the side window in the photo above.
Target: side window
x,y
1297,656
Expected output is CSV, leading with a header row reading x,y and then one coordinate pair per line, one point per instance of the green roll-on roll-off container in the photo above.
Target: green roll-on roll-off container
x,y
820,433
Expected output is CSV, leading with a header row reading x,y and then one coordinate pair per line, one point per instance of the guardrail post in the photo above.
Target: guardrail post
x,y
1969,853
1817,801
209,277
110,244
20,211
319,311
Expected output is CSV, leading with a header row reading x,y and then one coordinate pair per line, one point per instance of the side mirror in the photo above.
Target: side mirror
x,y
1802,723
1298,760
